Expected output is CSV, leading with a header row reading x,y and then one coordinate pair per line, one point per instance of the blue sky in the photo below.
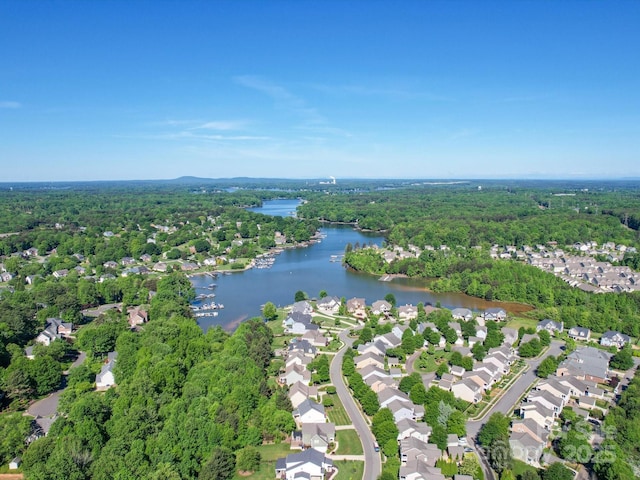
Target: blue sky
x,y
98,90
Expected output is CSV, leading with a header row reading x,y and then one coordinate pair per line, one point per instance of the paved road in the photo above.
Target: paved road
x,y
372,463
48,406
509,399
411,359
507,403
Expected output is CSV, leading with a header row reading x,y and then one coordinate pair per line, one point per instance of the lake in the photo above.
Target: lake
x,y
311,270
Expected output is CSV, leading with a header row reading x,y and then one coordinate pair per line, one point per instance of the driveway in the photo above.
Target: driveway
x,y
372,463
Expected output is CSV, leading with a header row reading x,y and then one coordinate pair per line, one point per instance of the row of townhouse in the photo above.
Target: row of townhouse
x,y
418,456
314,433
582,271
471,385
575,384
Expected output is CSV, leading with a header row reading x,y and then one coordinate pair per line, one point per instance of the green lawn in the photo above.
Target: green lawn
x,y
269,454
520,467
522,322
427,362
348,443
349,469
337,413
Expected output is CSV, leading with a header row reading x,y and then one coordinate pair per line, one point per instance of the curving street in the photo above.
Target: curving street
x,y
372,463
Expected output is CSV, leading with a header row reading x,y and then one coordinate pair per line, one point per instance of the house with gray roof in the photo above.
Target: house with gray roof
x,y
462,314
586,363
614,339
106,378
318,435
550,326
579,333
307,465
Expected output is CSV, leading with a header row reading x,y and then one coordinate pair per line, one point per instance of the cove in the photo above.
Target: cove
x,y
311,270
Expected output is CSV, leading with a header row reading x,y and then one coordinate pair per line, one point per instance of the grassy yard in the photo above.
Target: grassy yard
x,y
337,413
522,322
348,443
349,470
520,467
269,454
427,362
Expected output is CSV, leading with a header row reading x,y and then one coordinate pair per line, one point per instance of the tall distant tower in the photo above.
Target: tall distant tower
x,y
333,180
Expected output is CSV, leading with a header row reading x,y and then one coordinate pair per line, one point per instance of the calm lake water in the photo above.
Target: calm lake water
x,y
311,270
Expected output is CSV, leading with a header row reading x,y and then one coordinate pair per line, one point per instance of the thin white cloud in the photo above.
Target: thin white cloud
x,y
398,92
221,125
283,97
189,135
9,104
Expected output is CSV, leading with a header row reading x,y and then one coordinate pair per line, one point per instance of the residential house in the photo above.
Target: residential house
x,y
531,427
381,307
548,400
407,312
550,326
390,340
110,264
455,326
318,435
298,323
446,382
299,392
357,307
106,378
310,464
55,328
510,335
315,338
457,371
398,330
557,389
15,463
462,314
614,339
188,266
145,257
298,358
137,316
303,346
525,448
389,395
127,261
586,363
309,412
377,384
160,267
495,314
367,359
378,347
467,390
579,333
410,428
61,273
329,305
480,377
481,332
295,373
370,370
303,307
401,410
539,413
